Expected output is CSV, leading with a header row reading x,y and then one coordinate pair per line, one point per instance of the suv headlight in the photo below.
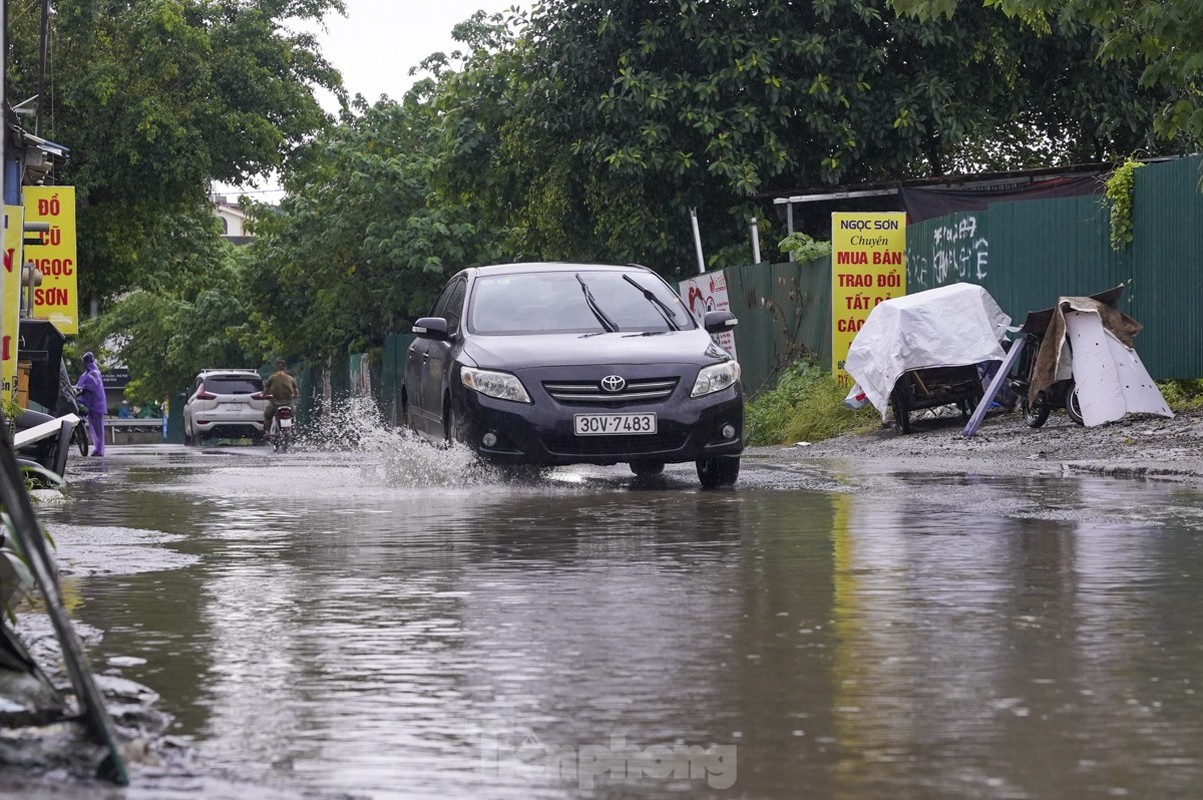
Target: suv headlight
x,y
715,378
501,385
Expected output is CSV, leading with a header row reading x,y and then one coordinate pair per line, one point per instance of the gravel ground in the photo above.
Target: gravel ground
x,y
1137,446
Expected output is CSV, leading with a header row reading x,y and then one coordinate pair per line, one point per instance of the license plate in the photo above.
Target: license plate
x,y
231,407
613,424
285,423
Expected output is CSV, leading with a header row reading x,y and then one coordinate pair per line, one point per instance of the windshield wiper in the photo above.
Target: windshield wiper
x,y
605,321
661,306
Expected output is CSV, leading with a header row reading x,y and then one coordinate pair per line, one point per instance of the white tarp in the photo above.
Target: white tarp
x,y
949,326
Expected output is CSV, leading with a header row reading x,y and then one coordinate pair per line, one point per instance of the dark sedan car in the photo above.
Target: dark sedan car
x,y
551,364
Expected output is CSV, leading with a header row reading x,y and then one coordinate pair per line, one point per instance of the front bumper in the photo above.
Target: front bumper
x,y
688,429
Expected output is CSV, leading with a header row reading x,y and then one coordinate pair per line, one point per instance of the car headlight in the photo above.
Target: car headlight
x,y
501,385
715,378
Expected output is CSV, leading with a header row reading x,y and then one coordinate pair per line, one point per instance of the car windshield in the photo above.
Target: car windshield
x,y
579,301
233,385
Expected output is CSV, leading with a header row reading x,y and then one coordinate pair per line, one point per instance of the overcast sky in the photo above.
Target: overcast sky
x,y
378,41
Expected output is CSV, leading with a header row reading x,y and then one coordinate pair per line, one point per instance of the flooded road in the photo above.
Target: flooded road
x,y
399,623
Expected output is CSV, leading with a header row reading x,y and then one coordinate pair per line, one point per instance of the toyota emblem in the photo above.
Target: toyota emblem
x,y
613,383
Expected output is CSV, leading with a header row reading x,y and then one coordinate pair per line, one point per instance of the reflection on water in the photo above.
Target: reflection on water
x,y
337,623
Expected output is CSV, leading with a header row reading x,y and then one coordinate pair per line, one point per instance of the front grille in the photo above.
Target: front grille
x,y
614,445
590,393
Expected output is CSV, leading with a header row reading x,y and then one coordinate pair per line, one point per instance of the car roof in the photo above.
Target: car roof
x,y
242,373
555,266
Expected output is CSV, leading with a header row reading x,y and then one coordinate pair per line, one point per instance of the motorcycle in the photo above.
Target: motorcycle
x,y
280,434
1061,393
68,403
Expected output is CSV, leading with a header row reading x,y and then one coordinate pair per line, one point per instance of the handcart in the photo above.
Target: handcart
x,y
923,351
934,387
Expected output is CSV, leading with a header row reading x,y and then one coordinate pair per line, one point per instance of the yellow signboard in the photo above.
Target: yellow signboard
x,y
868,252
57,299
10,301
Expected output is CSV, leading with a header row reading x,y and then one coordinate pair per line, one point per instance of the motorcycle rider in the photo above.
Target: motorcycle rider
x,y
282,390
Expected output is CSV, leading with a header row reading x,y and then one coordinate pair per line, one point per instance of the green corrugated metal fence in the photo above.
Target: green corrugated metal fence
x,y
784,313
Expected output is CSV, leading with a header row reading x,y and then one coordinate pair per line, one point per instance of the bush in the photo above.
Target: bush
x,y
807,405
1182,395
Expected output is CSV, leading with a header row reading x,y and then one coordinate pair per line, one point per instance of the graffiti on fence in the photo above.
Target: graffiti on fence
x,y
958,252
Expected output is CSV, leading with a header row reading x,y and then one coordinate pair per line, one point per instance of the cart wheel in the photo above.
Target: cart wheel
x,y
968,404
1036,414
1073,406
901,416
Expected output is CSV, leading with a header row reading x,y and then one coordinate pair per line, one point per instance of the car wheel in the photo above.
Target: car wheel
x,y
189,440
1035,414
902,417
456,429
1073,406
646,468
407,414
968,405
449,423
718,471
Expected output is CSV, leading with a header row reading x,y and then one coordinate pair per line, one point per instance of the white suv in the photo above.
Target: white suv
x,y
225,403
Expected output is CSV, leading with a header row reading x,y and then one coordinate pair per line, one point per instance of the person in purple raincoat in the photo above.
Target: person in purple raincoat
x,y
90,388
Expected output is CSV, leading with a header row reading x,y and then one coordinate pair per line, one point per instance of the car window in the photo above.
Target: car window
x,y
450,304
581,301
233,385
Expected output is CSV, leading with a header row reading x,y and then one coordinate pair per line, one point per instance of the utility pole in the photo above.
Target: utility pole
x,y
697,240
43,39
3,98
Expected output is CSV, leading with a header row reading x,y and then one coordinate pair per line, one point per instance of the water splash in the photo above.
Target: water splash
x,y
397,456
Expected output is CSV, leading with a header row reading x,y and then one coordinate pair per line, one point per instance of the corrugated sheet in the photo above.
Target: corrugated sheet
x,y
392,376
1167,254
784,313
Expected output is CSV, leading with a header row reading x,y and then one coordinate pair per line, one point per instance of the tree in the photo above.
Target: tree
x,y
168,330
587,129
1162,38
155,99
363,242
607,120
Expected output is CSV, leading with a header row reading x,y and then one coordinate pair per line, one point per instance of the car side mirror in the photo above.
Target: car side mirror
x,y
719,321
431,328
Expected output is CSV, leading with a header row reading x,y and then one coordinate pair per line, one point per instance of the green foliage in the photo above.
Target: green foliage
x,y
12,409
167,332
1160,41
595,128
587,130
804,248
1182,395
158,98
1118,194
364,241
807,405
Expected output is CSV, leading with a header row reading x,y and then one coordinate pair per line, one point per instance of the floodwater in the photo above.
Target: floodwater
x,y
396,622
